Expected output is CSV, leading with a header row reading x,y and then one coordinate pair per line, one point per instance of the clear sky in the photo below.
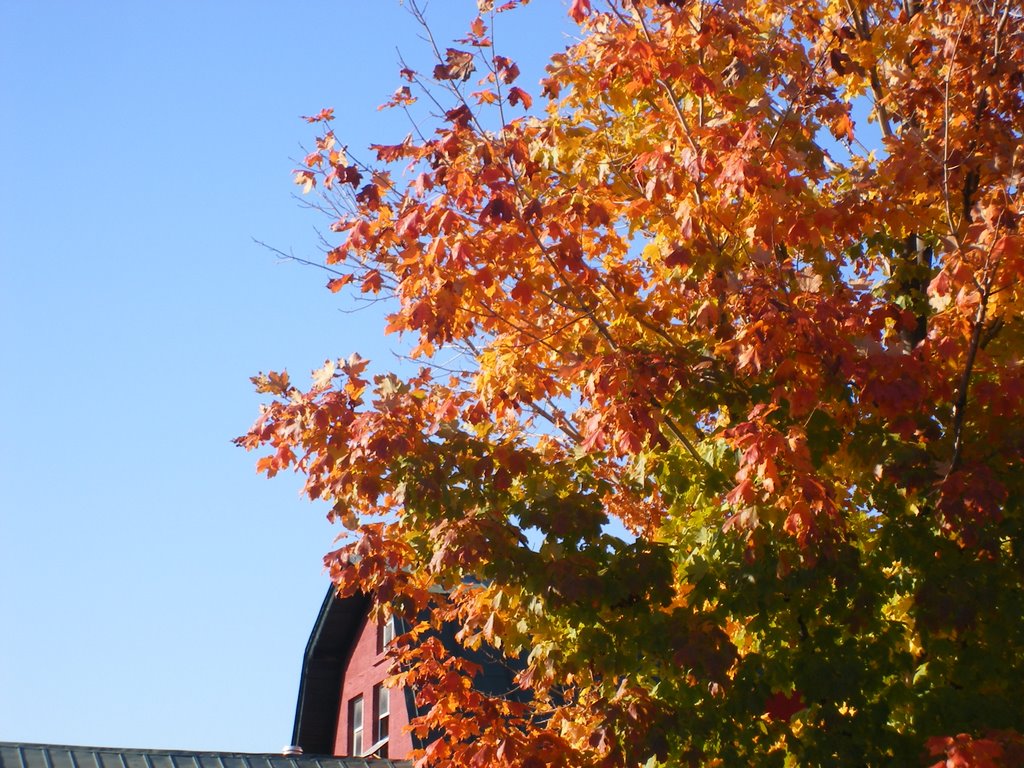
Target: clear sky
x,y
154,591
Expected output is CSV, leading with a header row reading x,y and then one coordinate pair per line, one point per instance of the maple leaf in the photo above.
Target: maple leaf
x,y
322,376
324,115
842,127
369,196
485,97
372,282
337,283
508,71
698,80
306,179
459,65
678,257
409,225
518,95
579,10
497,210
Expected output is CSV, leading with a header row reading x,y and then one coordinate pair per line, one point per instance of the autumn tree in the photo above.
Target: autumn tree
x,y
719,420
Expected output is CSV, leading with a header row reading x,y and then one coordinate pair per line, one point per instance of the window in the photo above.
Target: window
x,y
382,706
355,726
385,634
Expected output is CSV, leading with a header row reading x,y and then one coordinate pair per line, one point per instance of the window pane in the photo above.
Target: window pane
x,y
356,725
357,712
382,706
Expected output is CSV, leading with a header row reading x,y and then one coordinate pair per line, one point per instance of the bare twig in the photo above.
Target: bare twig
x,y
860,23
960,406
977,335
297,259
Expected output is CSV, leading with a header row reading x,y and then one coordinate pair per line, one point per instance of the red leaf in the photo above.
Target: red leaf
x,y
507,69
701,84
499,209
840,62
423,182
741,494
373,282
321,117
782,706
735,168
339,282
842,127
422,314
458,66
409,225
579,10
369,196
516,95
679,257
522,292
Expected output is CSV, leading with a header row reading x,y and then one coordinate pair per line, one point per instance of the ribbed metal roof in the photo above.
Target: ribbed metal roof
x,y
15,755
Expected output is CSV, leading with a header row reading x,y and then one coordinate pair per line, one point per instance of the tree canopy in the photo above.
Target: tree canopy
x,y
719,420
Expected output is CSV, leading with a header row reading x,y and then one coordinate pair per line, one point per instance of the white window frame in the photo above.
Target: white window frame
x,y
381,719
386,634
356,728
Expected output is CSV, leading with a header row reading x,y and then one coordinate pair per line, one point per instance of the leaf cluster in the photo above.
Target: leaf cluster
x,y
719,424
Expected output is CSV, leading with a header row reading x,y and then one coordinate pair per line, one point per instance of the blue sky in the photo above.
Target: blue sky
x,y
156,592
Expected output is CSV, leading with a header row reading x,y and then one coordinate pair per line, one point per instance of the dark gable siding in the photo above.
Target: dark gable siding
x,y
327,652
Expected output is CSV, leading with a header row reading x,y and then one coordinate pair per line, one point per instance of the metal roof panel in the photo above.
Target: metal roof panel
x,y
18,755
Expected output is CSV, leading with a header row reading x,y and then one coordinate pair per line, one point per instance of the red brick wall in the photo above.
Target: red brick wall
x,y
365,669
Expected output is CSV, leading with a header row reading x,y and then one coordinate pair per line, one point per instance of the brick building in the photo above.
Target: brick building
x,y
344,708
